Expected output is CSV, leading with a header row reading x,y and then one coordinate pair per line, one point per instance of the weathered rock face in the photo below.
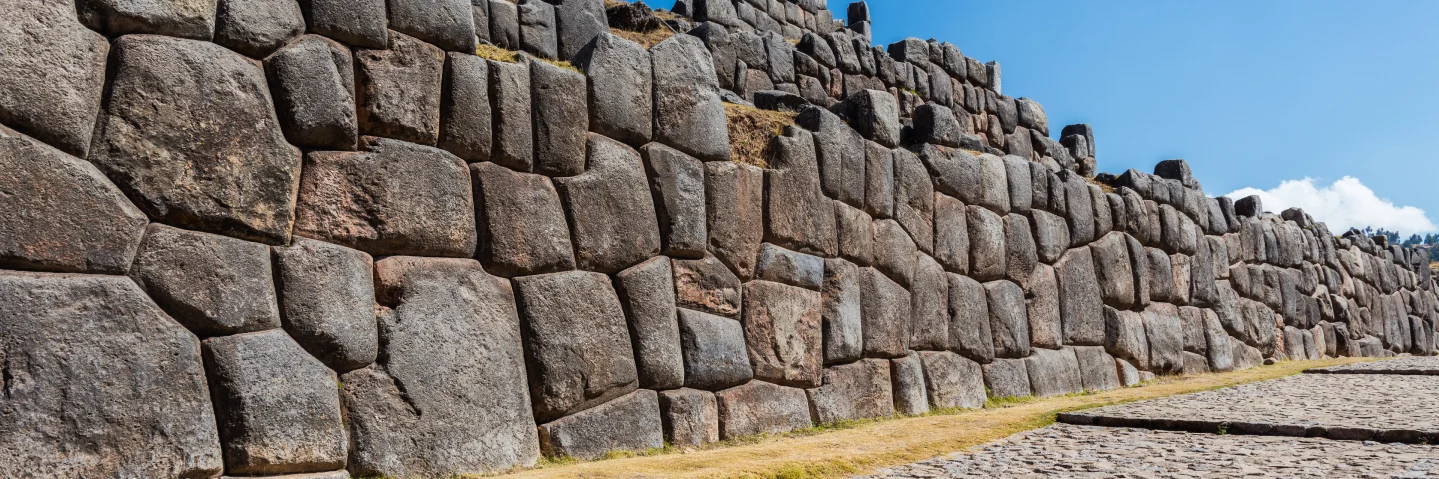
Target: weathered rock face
x,y
631,422
782,330
328,302
690,416
647,293
63,335
399,90
214,285
52,74
166,136
859,390
522,229
448,24
395,198
952,381
256,28
610,209
176,18
759,407
407,421
714,351
314,83
61,214
278,409
688,112
574,365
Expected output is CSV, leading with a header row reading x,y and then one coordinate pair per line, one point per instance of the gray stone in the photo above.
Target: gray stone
x,y
854,232
1007,378
969,325
1008,320
214,285
621,87
1043,308
929,303
884,314
574,365
448,24
52,74
360,23
841,312
936,124
734,200
1031,116
513,144
257,27
394,198
797,214
1021,256
878,180
952,381
714,351
1054,372
1114,270
1125,337
1165,334
1161,275
951,235
504,24
988,260
187,169
789,267
314,84
1051,235
1177,230
400,89
537,29
907,382
647,293
690,417
688,112
875,115
522,228
782,329
1079,204
60,213
841,153
759,407
580,21
894,251
610,209
466,116
327,302
405,420
1021,186
914,199
630,422
1128,374
66,335
277,407
1096,368
561,119
173,18
1080,306
859,390
1194,364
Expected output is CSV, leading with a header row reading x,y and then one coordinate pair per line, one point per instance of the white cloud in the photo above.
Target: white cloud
x,y
1345,204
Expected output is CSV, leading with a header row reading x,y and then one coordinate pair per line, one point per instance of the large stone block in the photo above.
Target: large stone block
x,y
647,293
361,23
630,422
914,199
1051,235
951,235
174,18
1007,378
841,312
1161,275
621,87
734,200
521,224
894,251
1096,368
580,21
759,407
513,145
690,417
797,214
181,163
504,24
610,209
858,390
1054,372
467,118
841,153
952,381
65,335
988,260
52,74
782,330
1080,306
688,112
574,365
878,180
707,285
884,315
907,382
969,324
61,213
1043,308
537,29
1008,320
1124,336
929,303
257,27
875,115
314,86
1165,335
276,406
400,89
214,285
1113,270
405,420
1020,253
561,119
448,24
327,295
789,267
394,198
714,351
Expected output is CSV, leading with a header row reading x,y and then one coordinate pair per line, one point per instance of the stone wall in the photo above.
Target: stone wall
x,y
280,237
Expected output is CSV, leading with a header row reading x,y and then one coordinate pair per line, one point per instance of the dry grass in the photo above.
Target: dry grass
x,y
491,52
864,446
1102,187
646,39
750,130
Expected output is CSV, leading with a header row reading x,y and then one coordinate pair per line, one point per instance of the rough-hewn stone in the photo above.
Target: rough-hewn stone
x,y
574,365
52,74
257,27
360,23
610,209
690,416
987,258
1080,306
969,325
214,285
688,112
782,330
1008,320
537,29
313,82
327,301
175,18
561,118
859,390
952,381
734,200
400,89
1007,378
758,407
522,229
907,382
647,293
513,145
620,87
630,422
884,315
714,351
1054,372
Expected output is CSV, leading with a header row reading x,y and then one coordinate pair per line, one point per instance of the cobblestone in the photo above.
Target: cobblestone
x,y
1073,451
1338,406
1412,366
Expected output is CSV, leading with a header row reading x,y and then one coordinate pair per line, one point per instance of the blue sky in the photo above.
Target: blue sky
x,y
1251,93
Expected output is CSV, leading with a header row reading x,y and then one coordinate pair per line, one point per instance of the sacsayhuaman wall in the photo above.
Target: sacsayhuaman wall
x,y
269,237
